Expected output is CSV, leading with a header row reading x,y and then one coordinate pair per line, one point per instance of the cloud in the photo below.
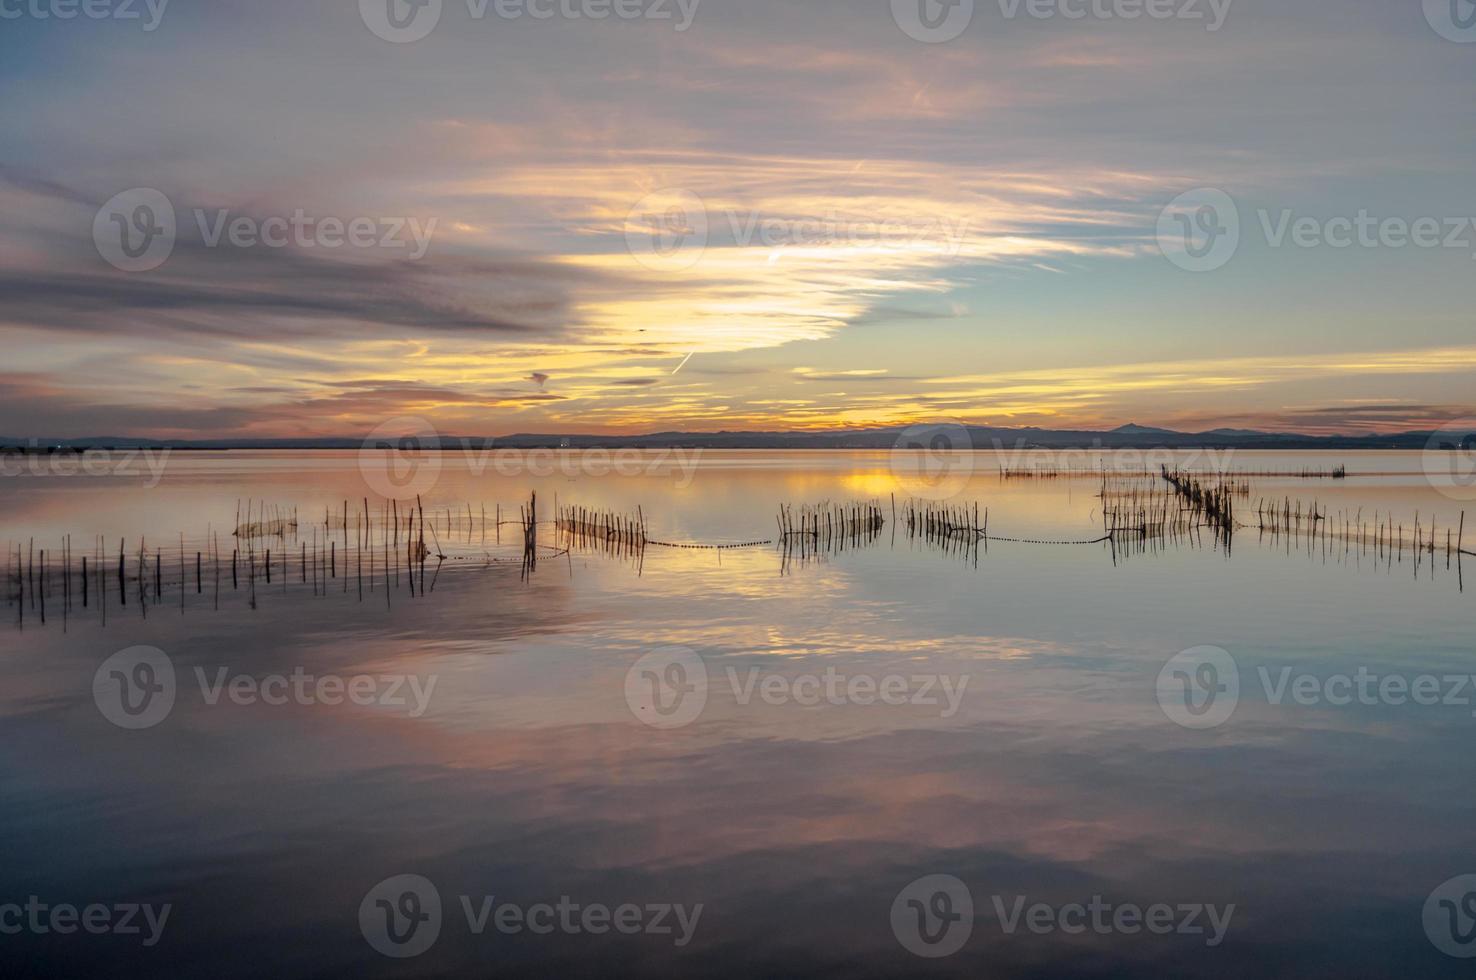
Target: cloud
x,y
969,215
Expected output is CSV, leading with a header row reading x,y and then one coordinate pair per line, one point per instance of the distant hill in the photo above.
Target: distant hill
x,y
942,436
1132,428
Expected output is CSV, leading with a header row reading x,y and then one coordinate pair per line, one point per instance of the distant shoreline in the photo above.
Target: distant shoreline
x,y
934,438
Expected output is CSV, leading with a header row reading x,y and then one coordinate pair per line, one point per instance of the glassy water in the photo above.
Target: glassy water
x,y
1126,758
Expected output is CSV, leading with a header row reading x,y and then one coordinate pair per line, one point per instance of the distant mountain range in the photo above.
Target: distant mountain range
x,y
942,436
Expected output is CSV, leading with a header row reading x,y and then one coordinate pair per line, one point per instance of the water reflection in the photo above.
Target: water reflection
x,y
793,815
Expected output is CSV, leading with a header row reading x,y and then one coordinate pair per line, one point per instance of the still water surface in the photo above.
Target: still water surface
x,y
1026,746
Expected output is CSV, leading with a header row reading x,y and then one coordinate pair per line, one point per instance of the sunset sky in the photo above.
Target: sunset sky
x,y
875,229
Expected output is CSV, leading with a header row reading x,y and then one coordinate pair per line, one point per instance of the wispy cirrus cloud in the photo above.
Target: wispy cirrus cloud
x,y
975,219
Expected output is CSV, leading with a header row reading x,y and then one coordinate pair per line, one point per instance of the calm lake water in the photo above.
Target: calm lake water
x,y
501,770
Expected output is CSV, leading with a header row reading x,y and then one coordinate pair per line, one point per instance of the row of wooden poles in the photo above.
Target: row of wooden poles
x,y
933,519
625,530
1054,472
1210,503
811,529
265,520
1381,532
830,520
380,552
